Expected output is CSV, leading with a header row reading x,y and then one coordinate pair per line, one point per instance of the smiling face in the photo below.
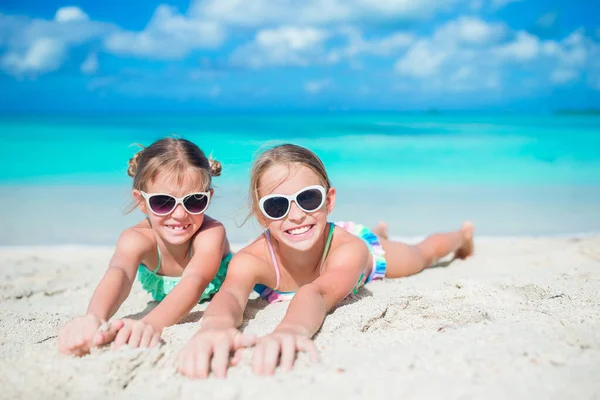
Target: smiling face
x,y
179,226
298,229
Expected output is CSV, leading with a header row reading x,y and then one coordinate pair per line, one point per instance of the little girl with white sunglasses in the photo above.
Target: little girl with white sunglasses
x,y
179,254
303,258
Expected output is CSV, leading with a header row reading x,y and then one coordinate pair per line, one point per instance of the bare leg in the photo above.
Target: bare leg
x,y
404,260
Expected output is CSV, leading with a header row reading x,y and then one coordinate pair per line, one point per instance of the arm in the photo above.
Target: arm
x,y
226,310
82,333
201,270
308,309
218,335
116,284
312,302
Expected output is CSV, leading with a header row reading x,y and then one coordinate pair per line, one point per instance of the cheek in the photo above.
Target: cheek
x,y
273,226
198,219
155,220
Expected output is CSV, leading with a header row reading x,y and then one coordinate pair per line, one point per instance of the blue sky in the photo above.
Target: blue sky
x,y
295,55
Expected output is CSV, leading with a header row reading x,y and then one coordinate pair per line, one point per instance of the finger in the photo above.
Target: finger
x,y
243,340
288,353
237,356
258,357
201,358
147,336
272,352
308,346
155,340
220,359
136,335
109,335
185,363
122,337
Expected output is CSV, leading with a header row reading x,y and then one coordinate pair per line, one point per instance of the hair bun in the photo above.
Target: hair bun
x,y
133,163
215,167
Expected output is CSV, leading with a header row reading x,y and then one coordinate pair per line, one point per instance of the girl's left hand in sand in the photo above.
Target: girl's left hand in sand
x,y
137,334
281,347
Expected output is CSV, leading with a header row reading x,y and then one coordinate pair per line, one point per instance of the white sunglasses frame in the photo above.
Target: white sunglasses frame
x,y
290,198
178,200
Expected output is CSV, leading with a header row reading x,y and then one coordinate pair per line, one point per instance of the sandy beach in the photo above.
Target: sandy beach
x,y
520,319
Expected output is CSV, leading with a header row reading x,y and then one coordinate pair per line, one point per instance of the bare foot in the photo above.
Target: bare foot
x,y
466,250
381,229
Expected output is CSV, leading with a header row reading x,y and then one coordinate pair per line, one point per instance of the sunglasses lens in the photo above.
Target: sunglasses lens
x,y
310,199
276,207
196,203
161,204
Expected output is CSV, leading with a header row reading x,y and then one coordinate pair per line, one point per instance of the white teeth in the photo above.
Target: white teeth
x,y
299,231
178,228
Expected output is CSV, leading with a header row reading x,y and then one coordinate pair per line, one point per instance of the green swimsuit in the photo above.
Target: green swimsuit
x,y
160,286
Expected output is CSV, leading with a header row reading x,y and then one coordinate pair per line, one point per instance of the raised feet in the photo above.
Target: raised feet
x,y
466,250
381,229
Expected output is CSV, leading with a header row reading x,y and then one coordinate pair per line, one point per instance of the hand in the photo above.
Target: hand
x,y
83,333
281,347
137,334
194,360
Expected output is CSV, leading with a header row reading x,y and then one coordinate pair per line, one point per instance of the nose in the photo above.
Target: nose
x,y
296,214
179,212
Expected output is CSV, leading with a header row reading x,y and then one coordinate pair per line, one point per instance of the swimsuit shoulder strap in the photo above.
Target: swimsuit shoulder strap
x,y
327,246
159,259
272,251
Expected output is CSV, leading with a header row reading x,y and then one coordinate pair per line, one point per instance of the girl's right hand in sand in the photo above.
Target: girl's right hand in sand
x,y
211,350
80,335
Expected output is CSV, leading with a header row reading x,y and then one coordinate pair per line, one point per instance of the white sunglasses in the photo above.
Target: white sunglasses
x,y
308,199
164,204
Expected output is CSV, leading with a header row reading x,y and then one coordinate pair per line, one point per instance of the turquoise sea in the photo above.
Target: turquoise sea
x,y
63,178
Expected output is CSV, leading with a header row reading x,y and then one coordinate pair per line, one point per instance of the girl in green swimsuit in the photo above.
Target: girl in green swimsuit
x,y
179,254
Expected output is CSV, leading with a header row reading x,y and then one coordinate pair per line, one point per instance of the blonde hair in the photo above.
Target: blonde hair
x,y
284,154
172,156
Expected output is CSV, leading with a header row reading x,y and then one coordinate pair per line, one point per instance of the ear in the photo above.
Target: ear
x,y
330,200
141,202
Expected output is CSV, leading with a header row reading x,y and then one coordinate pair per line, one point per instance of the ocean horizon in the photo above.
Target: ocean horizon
x,y
63,177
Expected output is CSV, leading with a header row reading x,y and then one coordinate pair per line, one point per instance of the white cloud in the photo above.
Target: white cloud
x,y
282,46
422,60
169,35
562,76
43,55
37,46
314,87
524,47
470,30
383,46
90,65
70,14
315,12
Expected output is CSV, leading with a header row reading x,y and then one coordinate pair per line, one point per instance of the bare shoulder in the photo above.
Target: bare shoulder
x,y
252,257
210,229
137,238
133,246
346,246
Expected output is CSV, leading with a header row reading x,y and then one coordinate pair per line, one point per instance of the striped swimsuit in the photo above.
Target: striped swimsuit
x,y
370,239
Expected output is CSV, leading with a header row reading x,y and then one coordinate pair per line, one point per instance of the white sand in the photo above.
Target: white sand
x,y
521,319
